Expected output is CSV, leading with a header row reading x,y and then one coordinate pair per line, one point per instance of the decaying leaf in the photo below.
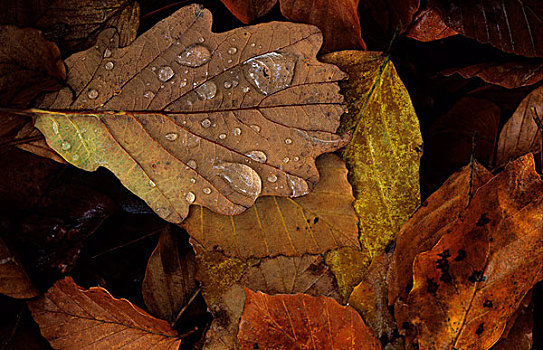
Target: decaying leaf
x,y
74,25
428,25
185,116
71,317
521,134
303,322
320,221
470,283
248,11
14,282
170,278
383,155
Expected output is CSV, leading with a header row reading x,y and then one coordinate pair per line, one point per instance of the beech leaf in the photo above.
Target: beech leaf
x,y
248,10
185,116
14,281
71,317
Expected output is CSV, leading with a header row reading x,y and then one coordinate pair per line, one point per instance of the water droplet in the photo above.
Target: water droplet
x,y
194,56
163,212
288,141
207,190
192,163
259,156
153,69
189,103
190,197
206,123
192,180
235,83
55,127
201,39
65,146
232,50
272,178
286,160
256,128
109,65
107,53
206,91
242,178
253,44
270,72
152,183
297,185
171,136
296,159
222,136
227,84
149,94
75,157
236,131
165,73
229,61
183,83
92,94
246,89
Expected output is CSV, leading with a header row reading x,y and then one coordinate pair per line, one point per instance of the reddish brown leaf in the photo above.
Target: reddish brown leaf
x,y
513,26
519,328
338,20
471,282
303,322
521,134
390,15
248,10
71,317
14,281
428,25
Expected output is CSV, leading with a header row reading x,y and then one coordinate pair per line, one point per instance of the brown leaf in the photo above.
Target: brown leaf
x,y
510,25
449,141
74,25
513,74
303,322
170,278
32,140
237,122
71,317
390,15
248,11
14,281
320,221
520,329
520,134
470,283
428,25
338,19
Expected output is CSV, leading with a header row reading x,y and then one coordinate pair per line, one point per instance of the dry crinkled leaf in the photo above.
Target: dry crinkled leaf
x,y
71,317
185,116
384,153
470,283
320,221
428,25
303,322
170,278
248,11
74,24
14,282
520,133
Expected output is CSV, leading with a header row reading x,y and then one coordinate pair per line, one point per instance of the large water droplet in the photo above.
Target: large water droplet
x,y
232,50
171,136
259,156
206,123
242,178
236,131
272,178
227,84
92,94
152,183
194,56
270,72
206,91
109,65
222,136
288,141
65,146
297,185
165,73
190,197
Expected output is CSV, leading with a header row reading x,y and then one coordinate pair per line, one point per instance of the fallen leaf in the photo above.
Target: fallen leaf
x,y
320,221
74,25
520,334
470,283
17,329
303,322
428,25
509,25
170,278
248,11
338,20
14,282
30,139
520,133
349,267
203,117
511,75
449,141
384,153
389,15
72,317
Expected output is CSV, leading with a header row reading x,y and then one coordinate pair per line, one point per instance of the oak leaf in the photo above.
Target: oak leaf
x,y
184,116
303,322
469,284
320,221
72,317
14,281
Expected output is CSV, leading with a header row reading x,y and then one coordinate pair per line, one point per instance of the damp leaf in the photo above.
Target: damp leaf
x,y
470,283
72,317
322,220
301,321
185,116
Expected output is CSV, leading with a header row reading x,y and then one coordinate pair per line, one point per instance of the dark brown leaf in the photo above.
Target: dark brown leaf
x,y
14,282
248,10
